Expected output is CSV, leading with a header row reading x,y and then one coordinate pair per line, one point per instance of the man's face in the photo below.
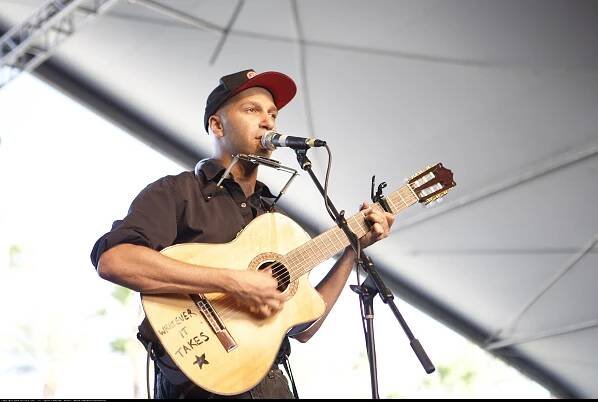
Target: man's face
x,y
245,118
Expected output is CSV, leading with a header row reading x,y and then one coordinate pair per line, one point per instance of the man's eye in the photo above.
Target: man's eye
x,y
274,115
251,109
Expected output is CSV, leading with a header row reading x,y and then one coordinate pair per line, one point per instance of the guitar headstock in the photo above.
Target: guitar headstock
x,y
432,183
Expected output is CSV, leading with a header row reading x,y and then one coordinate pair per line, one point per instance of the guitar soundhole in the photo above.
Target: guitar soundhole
x,y
279,272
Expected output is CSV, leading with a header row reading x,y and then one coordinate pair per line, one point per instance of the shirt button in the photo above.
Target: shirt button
x,y
243,205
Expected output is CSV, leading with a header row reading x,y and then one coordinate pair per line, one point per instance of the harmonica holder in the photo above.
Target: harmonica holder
x,y
261,160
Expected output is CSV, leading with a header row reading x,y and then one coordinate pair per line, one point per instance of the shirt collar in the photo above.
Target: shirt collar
x,y
213,170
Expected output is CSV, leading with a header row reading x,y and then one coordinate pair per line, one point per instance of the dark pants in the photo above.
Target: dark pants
x,y
273,386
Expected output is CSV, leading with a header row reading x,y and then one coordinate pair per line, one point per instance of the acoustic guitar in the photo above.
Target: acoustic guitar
x,y
227,350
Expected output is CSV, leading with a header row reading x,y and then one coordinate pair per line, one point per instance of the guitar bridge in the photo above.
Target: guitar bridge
x,y
215,322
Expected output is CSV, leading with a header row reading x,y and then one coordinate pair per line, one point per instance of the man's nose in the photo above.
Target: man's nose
x,y
267,122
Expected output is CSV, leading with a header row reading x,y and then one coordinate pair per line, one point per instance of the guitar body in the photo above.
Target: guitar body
x,y
232,361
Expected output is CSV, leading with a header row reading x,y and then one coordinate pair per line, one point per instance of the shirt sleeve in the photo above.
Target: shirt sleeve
x,y
151,220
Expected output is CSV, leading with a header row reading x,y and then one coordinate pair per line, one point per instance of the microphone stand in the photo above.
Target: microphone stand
x,y
371,286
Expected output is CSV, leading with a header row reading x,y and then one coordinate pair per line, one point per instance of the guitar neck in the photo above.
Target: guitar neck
x,y
310,254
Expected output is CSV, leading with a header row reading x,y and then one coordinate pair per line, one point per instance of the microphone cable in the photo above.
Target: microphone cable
x,y
328,209
147,369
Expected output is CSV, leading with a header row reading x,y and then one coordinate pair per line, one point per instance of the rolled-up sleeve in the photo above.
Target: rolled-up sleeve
x,y
151,221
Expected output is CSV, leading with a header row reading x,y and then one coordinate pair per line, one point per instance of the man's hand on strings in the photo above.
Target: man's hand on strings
x,y
257,293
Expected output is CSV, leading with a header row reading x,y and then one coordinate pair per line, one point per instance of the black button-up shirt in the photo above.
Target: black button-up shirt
x,y
186,208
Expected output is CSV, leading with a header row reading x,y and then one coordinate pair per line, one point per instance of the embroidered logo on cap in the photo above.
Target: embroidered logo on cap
x,y
251,74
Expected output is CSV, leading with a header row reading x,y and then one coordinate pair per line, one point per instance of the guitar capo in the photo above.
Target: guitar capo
x,y
379,197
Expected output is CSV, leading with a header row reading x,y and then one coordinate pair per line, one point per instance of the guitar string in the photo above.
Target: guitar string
x,y
225,307
291,270
230,306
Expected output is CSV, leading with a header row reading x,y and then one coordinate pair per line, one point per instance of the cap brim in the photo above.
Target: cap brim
x,y
281,86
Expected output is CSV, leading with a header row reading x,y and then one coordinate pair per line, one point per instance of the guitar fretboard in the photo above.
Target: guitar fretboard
x,y
307,256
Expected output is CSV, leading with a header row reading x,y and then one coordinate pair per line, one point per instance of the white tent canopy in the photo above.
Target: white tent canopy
x,y
503,93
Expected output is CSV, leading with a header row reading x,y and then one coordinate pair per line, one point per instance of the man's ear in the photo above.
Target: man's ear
x,y
215,124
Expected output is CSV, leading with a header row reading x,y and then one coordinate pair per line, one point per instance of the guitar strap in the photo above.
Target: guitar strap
x,y
287,368
283,358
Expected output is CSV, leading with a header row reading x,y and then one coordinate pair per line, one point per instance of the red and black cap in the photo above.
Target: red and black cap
x,y
281,86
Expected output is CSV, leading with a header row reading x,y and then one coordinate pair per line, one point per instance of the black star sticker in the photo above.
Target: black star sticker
x,y
201,360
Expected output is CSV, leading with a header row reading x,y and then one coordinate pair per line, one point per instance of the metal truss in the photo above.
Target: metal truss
x,y
28,44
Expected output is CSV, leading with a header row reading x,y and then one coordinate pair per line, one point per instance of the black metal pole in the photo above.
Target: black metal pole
x,y
366,298
371,286
366,294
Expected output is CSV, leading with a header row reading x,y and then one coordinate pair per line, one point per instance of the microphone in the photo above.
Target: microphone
x,y
271,140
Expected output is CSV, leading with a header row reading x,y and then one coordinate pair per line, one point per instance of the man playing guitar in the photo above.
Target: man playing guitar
x,y
190,208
